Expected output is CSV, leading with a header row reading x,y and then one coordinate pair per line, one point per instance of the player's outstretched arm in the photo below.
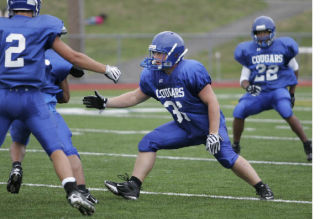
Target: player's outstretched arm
x,y
85,62
125,100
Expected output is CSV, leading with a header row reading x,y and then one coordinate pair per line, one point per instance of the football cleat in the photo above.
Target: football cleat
x,y
77,200
15,179
308,149
88,196
236,148
128,189
265,192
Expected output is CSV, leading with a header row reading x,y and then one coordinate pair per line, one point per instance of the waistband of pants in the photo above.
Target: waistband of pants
x,y
22,88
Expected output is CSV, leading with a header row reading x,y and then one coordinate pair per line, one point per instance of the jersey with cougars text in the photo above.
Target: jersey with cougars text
x,y
269,66
23,41
178,93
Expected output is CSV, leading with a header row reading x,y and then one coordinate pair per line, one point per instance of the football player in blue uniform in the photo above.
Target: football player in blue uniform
x,y
184,89
56,90
269,67
24,37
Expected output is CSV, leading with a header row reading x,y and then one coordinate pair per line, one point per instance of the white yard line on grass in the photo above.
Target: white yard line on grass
x,y
143,132
174,158
179,194
134,113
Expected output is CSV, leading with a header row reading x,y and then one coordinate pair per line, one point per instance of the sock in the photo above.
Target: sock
x,y
16,163
236,142
258,185
136,180
69,184
307,143
82,187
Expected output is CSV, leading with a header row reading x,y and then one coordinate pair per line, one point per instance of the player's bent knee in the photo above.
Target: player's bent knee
x,y
71,151
228,163
238,112
146,145
286,115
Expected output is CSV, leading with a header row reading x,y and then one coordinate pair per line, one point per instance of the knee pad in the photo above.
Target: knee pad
x,y
71,151
227,163
284,109
239,111
147,145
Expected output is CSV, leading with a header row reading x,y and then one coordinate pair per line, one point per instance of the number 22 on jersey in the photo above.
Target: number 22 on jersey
x,y
271,72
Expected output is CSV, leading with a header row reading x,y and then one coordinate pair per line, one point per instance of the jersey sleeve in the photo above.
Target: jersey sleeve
x,y
52,27
197,77
240,54
292,45
145,83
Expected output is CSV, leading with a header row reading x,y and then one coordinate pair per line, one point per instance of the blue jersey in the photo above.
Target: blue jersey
x,y
57,69
269,66
178,93
23,41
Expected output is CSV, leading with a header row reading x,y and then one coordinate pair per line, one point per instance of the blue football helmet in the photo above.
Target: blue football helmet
x,y
24,5
168,43
263,23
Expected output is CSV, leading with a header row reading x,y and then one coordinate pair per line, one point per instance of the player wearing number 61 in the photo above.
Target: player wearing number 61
x,y
184,88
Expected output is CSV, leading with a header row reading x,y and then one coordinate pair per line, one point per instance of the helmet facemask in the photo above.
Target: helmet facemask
x,y
264,41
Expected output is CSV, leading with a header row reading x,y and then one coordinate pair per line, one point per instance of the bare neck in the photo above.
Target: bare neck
x,y
24,13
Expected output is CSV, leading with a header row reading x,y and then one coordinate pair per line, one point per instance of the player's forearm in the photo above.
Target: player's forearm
x,y
245,84
214,116
83,61
292,88
128,99
64,85
77,58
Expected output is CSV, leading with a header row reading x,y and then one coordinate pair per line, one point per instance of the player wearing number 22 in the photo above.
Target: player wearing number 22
x,y
268,68
184,88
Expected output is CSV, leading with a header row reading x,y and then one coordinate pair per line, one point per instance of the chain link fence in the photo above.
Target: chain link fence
x,y
215,51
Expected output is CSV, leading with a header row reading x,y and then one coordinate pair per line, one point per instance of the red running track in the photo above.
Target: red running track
x,y
232,84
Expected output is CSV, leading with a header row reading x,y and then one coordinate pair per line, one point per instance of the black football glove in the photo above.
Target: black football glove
x,y
76,72
96,101
254,90
293,99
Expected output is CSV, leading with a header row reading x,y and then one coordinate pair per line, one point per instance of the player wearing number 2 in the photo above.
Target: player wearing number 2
x,y
184,88
269,67
24,38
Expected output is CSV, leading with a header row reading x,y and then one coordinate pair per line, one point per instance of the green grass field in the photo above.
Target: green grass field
x,y
197,187
128,17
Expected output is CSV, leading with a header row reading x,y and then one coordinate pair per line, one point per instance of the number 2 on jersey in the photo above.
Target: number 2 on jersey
x,y
19,62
